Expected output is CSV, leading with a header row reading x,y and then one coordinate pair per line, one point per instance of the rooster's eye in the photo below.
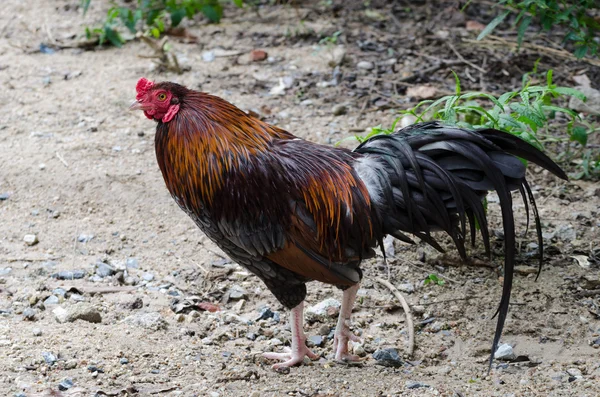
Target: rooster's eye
x,y
162,96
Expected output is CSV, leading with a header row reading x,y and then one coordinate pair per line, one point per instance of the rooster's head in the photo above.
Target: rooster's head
x,y
158,101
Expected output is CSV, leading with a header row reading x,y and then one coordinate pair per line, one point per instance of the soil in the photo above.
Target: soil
x,y
79,173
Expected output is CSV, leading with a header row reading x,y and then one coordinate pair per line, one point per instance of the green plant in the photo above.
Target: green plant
x,y
433,279
576,16
151,17
526,113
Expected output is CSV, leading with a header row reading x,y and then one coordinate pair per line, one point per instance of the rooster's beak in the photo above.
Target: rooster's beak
x,y
137,105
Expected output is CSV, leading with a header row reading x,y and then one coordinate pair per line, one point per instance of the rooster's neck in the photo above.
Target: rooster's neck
x,y
208,140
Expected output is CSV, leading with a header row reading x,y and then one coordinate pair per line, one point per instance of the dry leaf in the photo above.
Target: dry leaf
x,y
474,26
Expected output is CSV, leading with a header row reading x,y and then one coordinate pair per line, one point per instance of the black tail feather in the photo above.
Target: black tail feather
x,y
435,179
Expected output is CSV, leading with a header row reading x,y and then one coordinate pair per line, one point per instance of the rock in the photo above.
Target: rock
x,y
208,56
30,239
315,340
79,311
85,238
69,275
138,303
49,358
589,281
575,372
388,357
70,364
365,65
337,55
236,292
59,292
359,350
148,277
264,314
152,320
36,332
132,263
422,92
251,336
258,55
328,308
5,271
410,384
409,288
339,110
104,269
51,300
238,307
123,361
592,103
505,352
566,233
4,196
65,384
29,314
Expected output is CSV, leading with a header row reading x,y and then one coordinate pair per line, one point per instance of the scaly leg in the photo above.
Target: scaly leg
x,y
296,354
342,331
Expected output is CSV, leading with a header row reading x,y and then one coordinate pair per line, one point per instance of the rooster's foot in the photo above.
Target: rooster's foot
x,y
291,357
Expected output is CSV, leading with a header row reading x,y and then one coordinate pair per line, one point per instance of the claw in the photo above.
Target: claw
x,y
296,354
290,357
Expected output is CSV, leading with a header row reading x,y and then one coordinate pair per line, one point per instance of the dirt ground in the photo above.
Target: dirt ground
x,y
78,171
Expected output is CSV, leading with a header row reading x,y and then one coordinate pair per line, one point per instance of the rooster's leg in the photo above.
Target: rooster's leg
x,y
342,331
296,354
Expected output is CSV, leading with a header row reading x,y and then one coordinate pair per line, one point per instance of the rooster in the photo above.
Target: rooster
x,y
292,211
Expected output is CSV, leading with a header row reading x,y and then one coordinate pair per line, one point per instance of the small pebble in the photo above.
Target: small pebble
x,y
65,384
505,352
51,300
315,340
339,110
123,361
29,314
365,65
148,276
388,357
36,332
49,358
30,239
69,275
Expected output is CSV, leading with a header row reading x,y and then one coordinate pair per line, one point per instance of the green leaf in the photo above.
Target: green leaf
x,y
113,36
549,78
239,3
457,83
521,30
581,51
177,16
212,12
579,134
85,4
570,91
492,25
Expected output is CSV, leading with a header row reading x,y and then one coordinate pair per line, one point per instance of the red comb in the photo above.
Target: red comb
x,y
142,87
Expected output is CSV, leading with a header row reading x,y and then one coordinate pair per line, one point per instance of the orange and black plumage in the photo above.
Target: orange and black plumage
x,y
292,211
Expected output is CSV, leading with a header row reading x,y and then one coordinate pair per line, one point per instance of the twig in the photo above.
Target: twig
x,y
455,51
247,377
409,319
29,259
62,160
